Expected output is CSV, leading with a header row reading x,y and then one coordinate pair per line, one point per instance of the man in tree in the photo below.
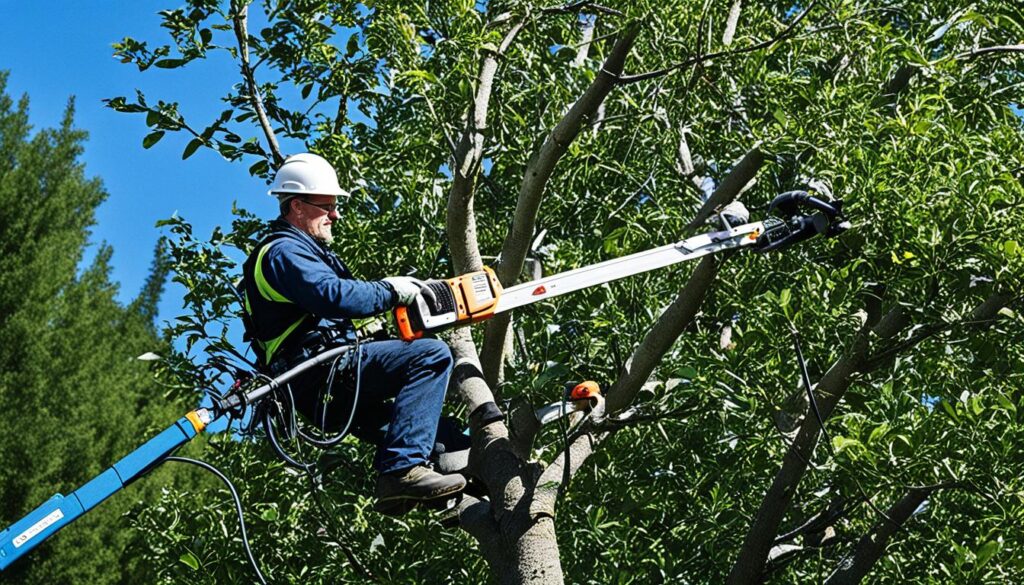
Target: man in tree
x,y
298,294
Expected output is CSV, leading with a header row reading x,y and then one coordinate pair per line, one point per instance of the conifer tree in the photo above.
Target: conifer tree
x,y
74,398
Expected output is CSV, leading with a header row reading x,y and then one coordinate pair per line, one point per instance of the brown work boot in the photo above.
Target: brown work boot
x,y
398,492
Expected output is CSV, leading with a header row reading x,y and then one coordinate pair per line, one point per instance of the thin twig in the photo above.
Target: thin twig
x,y
990,50
627,79
239,17
580,6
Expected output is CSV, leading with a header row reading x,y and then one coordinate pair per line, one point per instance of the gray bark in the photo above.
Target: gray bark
x,y
731,22
531,191
461,219
587,29
731,186
240,18
662,335
871,546
750,563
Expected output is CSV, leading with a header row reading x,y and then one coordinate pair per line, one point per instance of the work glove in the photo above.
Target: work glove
x,y
408,288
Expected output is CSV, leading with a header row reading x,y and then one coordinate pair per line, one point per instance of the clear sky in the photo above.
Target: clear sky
x,y
55,50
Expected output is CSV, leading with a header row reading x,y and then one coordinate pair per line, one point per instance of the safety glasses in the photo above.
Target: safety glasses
x,y
328,207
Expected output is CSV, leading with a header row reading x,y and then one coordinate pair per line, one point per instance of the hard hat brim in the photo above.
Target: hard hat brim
x,y
299,192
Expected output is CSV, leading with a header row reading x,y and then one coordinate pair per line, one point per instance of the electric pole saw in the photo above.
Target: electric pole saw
x,y
477,296
464,299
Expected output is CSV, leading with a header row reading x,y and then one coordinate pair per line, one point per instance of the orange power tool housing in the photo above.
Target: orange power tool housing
x,y
467,298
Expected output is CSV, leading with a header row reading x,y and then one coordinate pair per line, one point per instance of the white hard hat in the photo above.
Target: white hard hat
x,y
306,174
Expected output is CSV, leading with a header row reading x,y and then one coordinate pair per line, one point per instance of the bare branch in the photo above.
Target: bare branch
x,y
684,160
635,418
786,33
580,6
837,508
587,27
543,162
240,16
556,476
984,314
832,387
662,335
643,361
731,22
990,50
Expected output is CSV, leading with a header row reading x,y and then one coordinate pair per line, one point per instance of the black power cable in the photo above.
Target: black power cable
x,y
807,383
238,507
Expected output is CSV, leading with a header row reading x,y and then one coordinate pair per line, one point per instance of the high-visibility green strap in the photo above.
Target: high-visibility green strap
x,y
269,347
266,291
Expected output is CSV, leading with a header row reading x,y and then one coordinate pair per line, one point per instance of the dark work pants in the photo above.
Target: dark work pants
x,y
414,374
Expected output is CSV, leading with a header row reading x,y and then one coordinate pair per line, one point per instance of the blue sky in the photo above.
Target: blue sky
x,y
56,50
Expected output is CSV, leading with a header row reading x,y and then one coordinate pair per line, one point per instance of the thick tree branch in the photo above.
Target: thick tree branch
x,y
557,475
833,385
240,17
731,186
869,549
760,537
474,516
531,191
639,367
669,326
542,164
491,457
644,360
461,220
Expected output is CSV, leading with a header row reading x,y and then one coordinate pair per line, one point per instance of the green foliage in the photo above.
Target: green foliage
x,y
73,395
882,102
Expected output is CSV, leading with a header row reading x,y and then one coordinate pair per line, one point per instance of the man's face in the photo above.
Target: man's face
x,y
308,214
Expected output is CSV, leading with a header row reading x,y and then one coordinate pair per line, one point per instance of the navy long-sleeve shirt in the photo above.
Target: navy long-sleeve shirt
x,y
292,283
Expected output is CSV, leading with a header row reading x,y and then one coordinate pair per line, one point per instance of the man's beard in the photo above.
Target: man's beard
x,y
329,238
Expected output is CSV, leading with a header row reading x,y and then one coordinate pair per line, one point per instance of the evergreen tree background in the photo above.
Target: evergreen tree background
x,y
74,398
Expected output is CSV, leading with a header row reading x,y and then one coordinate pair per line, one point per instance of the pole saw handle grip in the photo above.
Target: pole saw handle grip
x,y
467,298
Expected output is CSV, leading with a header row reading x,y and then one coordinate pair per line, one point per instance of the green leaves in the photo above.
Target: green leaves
x,y
190,560
68,344
191,147
152,138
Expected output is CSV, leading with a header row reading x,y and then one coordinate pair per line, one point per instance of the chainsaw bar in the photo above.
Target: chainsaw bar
x,y
610,270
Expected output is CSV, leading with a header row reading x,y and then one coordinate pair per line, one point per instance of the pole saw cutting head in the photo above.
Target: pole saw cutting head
x,y
793,224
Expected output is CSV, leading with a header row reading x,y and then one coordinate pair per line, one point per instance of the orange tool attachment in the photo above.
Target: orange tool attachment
x,y
464,299
587,390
